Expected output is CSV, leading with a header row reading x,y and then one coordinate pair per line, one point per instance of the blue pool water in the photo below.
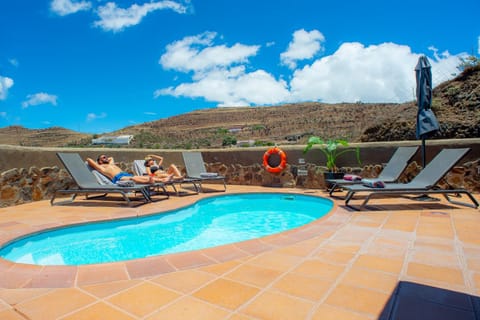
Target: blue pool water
x,y
209,222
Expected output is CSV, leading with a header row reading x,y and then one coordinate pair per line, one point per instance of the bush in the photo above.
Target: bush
x,y
229,140
260,143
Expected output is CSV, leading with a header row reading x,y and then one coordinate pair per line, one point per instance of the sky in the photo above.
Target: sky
x,y
96,66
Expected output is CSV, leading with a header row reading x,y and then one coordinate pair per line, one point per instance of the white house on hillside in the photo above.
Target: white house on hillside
x,y
123,139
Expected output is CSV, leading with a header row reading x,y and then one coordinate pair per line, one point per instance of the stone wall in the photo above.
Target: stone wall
x,y
466,176
30,174
19,186
22,185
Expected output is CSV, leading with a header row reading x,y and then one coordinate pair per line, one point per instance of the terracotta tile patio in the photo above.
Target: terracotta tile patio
x,y
344,266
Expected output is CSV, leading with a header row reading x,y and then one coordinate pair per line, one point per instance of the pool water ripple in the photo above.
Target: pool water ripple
x,y
210,222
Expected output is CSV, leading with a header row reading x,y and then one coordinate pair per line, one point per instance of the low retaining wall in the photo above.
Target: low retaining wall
x,y
26,181
19,186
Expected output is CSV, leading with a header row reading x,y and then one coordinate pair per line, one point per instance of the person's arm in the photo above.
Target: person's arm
x,y
159,159
92,163
149,172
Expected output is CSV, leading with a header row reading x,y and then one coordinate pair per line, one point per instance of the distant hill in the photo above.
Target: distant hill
x,y
209,128
51,137
456,104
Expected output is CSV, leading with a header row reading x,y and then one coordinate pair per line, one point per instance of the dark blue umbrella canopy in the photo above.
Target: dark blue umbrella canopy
x,y
427,123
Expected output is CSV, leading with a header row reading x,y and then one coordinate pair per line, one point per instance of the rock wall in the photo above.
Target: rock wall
x,y
22,185
19,186
466,176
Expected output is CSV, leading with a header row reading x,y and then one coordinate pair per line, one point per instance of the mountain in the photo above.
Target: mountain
x,y
51,137
209,128
456,103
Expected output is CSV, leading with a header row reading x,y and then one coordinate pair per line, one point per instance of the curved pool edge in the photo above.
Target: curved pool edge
x,y
33,276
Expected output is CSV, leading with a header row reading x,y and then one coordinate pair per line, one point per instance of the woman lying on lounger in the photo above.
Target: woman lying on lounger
x,y
106,166
156,170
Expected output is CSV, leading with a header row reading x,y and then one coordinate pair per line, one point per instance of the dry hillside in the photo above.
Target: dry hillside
x,y
51,137
456,104
208,128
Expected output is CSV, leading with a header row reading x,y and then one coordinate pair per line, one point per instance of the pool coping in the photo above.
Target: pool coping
x,y
19,275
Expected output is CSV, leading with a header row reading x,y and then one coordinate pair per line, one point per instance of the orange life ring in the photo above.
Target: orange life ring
x,y
283,160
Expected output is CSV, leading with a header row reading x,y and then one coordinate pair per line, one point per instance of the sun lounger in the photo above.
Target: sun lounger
x,y
195,167
153,188
87,183
392,171
139,169
424,183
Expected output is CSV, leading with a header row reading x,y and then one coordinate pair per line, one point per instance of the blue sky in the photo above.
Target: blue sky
x,y
96,66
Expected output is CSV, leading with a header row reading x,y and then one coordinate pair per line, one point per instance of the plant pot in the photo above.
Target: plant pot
x,y
333,175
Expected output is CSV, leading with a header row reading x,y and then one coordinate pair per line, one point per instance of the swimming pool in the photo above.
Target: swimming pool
x,y
207,223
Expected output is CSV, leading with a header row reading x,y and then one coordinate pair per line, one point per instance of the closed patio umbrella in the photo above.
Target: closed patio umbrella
x,y
427,124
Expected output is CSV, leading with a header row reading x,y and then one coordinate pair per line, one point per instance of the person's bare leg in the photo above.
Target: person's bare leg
x,y
140,179
168,178
162,174
174,170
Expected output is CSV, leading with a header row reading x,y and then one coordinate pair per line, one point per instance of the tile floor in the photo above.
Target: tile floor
x,y
345,266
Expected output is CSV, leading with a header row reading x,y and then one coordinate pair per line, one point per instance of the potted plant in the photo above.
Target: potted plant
x,y
330,148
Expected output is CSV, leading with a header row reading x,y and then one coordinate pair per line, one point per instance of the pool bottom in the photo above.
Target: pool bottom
x,y
128,247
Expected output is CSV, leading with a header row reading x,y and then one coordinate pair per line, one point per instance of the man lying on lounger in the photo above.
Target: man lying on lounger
x,y
106,166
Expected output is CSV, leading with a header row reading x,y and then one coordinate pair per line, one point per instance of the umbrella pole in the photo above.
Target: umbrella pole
x,y
424,161
424,197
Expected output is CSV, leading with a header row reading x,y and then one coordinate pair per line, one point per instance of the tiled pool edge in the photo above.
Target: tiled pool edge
x,y
32,276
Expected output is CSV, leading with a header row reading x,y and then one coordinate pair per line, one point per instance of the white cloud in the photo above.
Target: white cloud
x,y
377,73
5,84
232,87
66,7
303,46
113,18
93,116
444,65
219,73
198,54
355,72
39,98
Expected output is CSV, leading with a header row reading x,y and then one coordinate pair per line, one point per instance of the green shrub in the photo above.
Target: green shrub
x,y
229,140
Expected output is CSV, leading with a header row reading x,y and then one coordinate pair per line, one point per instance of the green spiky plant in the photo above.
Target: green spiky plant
x,y
330,148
